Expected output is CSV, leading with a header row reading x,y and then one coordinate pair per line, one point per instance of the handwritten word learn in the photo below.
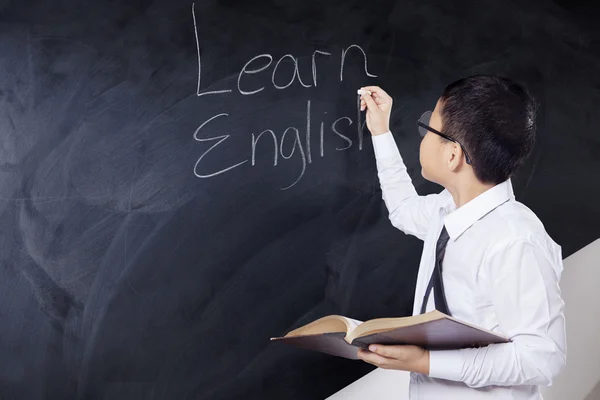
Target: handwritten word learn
x,y
263,61
303,145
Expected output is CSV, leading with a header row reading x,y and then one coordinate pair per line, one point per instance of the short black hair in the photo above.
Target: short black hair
x,y
494,118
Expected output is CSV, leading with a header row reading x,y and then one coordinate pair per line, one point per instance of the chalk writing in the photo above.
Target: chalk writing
x,y
268,137
199,62
288,142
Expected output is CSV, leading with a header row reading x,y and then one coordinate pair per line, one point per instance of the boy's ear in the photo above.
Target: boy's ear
x,y
455,156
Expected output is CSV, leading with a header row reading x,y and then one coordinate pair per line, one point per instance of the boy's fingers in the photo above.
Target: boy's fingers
x,y
377,92
380,100
369,101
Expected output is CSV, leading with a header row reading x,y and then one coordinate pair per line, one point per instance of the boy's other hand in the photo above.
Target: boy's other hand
x,y
379,108
400,357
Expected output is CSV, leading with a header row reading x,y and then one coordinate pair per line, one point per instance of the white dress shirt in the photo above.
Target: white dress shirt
x,y
501,272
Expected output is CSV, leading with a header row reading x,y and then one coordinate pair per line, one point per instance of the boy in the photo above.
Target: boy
x,y
487,258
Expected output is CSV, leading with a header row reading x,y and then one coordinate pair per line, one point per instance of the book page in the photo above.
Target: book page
x,y
353,323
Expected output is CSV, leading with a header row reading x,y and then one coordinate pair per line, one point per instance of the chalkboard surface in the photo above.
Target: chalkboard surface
x,y
180,181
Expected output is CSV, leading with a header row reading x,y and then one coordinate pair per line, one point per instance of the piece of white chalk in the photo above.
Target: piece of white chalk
x,y
360,91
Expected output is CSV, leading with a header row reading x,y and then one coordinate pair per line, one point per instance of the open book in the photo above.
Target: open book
x,y
342,336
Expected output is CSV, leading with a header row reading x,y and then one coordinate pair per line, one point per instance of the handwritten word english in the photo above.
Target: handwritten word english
x,y
303,145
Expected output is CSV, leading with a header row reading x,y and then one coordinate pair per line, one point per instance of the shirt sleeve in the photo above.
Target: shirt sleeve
x,y
408,211
523,284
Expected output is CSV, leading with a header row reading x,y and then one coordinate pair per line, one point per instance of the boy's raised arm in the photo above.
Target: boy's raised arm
x,y
408,211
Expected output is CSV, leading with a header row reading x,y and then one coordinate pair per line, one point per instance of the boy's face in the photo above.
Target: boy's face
x,y
431,154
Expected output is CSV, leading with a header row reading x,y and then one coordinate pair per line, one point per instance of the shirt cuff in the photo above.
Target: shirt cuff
x,y
385,146
446,364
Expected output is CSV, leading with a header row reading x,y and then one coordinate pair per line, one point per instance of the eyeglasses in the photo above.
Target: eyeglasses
x,y
423,124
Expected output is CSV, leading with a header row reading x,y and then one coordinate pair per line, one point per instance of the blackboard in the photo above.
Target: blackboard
x,y
180,181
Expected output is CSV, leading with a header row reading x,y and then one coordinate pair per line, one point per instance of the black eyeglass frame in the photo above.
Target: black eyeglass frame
x,y
419,123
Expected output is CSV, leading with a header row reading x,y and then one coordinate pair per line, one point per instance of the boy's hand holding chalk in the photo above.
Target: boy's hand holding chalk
x,y
379,107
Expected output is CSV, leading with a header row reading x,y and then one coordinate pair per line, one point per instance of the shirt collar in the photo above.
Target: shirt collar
x,y
460,219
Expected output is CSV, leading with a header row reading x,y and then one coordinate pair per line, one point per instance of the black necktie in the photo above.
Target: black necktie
x,y
436,277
